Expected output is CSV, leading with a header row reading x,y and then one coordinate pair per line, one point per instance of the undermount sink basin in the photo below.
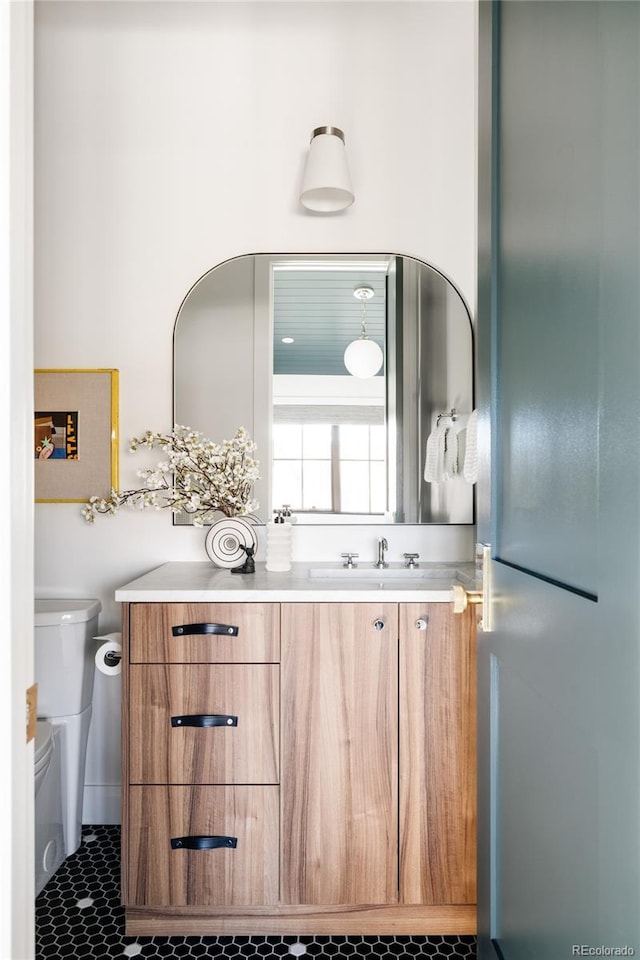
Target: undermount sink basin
x,y
397,574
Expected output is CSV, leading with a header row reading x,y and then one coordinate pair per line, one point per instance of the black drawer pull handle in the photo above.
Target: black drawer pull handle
x,y
224,629
202,843
205,720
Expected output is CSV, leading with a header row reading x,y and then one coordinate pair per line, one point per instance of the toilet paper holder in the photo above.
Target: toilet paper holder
x,y
112,658
108,657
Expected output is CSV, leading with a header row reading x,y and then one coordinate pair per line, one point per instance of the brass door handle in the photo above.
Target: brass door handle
x,y
461,598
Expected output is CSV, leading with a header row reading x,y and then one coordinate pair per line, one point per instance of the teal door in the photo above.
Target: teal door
x,y
559,365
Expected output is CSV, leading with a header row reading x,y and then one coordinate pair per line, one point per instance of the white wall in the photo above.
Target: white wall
x,y
171,136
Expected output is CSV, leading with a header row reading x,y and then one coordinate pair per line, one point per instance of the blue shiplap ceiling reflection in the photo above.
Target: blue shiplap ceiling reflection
x,y
318,310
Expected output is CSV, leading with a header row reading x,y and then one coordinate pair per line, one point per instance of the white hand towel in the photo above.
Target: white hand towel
x,y
470,468
434,458
450,468
455,441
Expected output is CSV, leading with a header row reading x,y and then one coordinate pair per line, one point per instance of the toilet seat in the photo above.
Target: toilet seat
x,y
49,847
43,748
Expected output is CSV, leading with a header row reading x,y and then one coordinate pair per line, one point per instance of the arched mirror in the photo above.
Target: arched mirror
x,y
279,344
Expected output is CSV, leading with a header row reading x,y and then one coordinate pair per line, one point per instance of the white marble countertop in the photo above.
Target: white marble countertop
x,y
202,582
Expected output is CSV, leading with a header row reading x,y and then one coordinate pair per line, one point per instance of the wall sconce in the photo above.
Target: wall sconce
x,y
363,357
326,184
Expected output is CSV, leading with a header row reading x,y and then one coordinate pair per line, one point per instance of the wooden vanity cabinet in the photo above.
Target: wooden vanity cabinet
x,y
348,782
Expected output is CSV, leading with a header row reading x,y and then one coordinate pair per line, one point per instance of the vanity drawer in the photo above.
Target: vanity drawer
x,y
204,724
204,632
239,875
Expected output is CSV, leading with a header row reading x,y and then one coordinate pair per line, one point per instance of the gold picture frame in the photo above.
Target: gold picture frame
x,y
75,434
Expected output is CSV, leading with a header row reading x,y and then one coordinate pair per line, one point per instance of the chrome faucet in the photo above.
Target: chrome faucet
x,y
382,546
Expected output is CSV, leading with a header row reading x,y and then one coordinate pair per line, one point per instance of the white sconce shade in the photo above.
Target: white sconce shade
x,y
326,184
363,358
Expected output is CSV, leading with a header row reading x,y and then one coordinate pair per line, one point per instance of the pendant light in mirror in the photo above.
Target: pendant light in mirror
x,y
326,185
363,357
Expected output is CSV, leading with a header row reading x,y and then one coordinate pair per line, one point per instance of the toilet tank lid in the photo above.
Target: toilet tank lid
x,y
49,612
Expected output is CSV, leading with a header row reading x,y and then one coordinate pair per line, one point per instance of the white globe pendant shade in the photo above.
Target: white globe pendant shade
x,y
363,358
326,184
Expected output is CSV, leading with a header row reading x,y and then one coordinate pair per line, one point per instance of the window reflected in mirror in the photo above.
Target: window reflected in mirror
x,y
330,468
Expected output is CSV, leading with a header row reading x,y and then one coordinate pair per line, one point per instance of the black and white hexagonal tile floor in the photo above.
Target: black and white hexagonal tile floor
x,y
78,915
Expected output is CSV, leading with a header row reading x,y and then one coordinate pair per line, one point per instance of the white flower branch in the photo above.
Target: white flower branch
x,y
197,476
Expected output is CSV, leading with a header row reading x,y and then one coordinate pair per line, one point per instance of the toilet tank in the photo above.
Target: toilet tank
x,y
64,652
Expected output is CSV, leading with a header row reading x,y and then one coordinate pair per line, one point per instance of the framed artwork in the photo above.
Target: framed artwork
x,y
75,431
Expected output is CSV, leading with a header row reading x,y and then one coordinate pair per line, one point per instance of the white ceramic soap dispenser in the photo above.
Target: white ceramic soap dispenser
x,y
279,543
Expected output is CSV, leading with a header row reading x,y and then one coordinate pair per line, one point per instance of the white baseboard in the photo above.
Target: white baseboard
x,y
101,803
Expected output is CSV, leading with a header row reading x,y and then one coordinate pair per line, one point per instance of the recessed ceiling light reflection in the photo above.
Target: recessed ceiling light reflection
x,y
287,340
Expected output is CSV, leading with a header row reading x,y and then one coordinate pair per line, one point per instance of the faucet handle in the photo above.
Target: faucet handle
x,y
349,558
411,559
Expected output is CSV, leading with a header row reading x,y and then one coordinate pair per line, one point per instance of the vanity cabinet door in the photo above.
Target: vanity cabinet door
x,y
438,755
195,723
204,632
242,870
339,753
